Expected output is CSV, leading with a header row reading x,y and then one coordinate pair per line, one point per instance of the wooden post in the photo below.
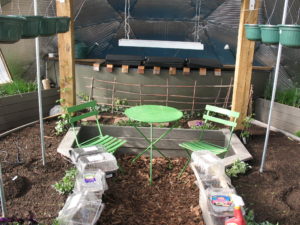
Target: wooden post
x,y
244,60
66,55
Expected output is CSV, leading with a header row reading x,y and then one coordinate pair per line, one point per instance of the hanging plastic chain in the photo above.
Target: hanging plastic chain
x,y
197,21
126,19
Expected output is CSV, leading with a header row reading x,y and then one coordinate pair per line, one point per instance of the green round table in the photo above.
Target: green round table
x,y
153,114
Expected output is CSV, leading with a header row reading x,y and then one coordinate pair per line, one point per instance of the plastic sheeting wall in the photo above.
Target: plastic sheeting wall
x,y
102,21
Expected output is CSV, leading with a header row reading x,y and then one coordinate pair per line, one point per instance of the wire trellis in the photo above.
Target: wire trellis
x,y
138,97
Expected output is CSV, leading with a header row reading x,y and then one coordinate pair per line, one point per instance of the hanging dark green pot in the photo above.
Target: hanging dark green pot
x,y
289,35
269,34
31,26
11,28
62,24
48,26
253,32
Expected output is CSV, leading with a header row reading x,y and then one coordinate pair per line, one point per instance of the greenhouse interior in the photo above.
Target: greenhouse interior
x,y
146,112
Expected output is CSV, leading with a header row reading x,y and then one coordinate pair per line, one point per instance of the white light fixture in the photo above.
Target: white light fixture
x,y
161,44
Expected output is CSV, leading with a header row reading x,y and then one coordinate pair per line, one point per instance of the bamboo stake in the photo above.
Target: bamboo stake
x,y
219,92
167,95
194,95
91,91
140,94
113,96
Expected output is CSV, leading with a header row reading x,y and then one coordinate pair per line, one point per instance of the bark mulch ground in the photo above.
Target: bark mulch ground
x,y
273,195
131,200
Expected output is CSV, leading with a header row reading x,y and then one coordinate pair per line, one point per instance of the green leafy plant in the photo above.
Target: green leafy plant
x,y
19,86
132,123
83,97
247,125
103,108
62,125
289,96
120,105
204,126
66,184
297,133
188,115
249,217
238,167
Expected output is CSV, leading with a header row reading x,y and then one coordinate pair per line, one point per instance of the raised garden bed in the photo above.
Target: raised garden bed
x,y
169,144
20,109
284,117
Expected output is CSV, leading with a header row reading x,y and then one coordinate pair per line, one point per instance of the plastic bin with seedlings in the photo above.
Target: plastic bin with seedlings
x,y
81,208
85,205
215,187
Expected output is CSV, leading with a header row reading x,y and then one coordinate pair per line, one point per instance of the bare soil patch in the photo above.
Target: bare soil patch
x,y
273,195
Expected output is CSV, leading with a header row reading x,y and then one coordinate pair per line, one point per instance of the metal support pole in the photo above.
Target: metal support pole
x,y
151,151
38,79
273,92
2,195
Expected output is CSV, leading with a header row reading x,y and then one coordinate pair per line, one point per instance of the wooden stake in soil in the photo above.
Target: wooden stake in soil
x,y
113,96
228,94
141,94
167,95
194,95
91,91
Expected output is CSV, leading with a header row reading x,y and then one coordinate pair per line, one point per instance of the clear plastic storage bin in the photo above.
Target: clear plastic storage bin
x,y
105,161
92,181
76,153
210,169
81,209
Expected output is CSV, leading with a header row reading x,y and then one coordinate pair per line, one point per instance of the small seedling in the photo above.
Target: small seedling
x,y
62,125
249,217
297,133
238,167
245,134
66,184
132,123
204,126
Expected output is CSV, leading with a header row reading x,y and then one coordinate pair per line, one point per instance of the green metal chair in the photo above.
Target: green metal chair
x,y
201,144
109,142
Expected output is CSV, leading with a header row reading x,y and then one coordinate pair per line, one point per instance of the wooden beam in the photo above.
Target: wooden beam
x,y
66,55
244,61
156,70
125,68
172,71
186,70
109,68
202,71
218,72
141,69
96,66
